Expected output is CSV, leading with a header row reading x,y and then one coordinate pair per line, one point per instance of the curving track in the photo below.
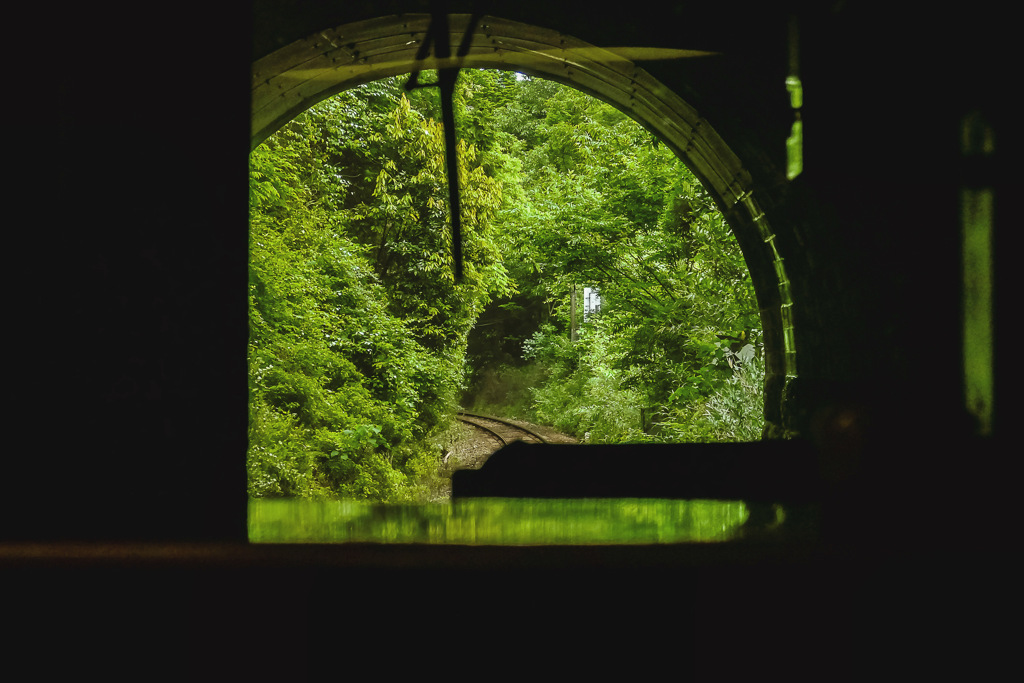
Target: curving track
x,y
502,430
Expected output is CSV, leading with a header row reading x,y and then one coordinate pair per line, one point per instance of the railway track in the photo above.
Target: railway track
x,y
502,430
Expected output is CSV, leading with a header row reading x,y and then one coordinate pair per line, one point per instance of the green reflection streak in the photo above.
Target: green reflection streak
x,y
977,205
795,142
497,521
977,255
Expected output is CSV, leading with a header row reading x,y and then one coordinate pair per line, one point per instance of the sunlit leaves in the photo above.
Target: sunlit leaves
x,y
599,203
358,327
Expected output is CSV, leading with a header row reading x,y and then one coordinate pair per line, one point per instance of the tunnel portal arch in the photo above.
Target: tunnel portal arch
x,y
299,75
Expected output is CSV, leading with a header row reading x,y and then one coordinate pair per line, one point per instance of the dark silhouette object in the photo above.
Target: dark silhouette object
x,y
763,471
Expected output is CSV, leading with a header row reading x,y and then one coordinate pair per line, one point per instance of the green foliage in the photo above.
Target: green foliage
x,y
357,328
584,395
360,336
600,203
733,411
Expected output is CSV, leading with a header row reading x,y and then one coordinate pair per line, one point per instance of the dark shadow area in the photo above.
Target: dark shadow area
x,y
767,471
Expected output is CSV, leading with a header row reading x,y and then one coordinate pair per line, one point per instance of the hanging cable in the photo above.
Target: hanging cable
x,y
438,36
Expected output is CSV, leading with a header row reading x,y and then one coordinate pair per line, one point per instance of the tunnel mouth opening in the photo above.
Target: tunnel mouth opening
x,y
287,84
294,78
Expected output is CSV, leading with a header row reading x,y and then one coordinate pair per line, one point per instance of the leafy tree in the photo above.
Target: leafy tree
x,y
358,327
360,335
600,203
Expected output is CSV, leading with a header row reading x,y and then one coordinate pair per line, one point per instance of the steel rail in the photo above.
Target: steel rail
x,y
493,433
462,415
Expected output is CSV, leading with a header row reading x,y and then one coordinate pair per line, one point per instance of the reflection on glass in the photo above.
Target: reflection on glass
x,y
504,521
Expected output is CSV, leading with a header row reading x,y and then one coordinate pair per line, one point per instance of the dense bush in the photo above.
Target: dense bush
x,y
601,204
360,337
358,329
